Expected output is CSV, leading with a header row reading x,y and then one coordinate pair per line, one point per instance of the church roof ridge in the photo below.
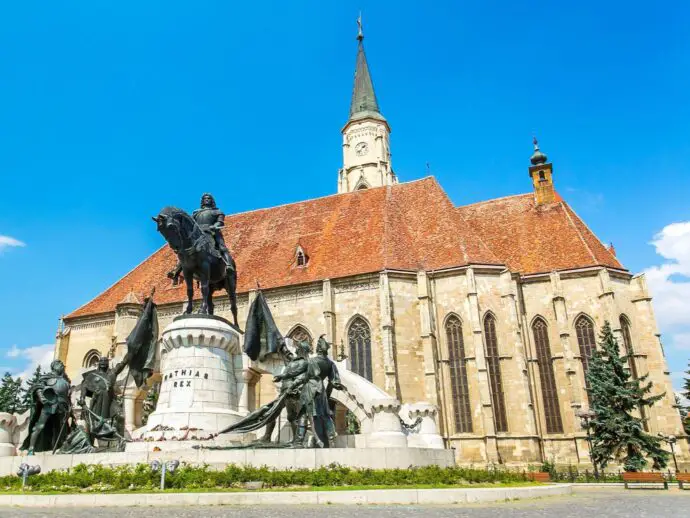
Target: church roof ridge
x,y
494,200
318,198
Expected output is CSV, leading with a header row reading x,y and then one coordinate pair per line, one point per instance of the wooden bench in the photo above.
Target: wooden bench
x,y
682,478
539,476
646,479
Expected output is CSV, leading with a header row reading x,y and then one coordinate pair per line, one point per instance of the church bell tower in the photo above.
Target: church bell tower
x,y
366,135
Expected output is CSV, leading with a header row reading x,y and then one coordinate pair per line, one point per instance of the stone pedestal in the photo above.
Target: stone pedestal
x,y
385,430
424,435
8,422
202,371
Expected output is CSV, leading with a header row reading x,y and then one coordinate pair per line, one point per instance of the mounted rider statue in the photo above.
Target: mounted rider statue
x,y
211,221
198,242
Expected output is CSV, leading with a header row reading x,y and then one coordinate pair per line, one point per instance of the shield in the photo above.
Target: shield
x,y
95,382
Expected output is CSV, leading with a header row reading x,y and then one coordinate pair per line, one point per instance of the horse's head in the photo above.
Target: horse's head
x,y
169,226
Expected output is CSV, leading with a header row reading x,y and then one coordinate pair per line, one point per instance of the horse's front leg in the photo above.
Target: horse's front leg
x,y
189,281
204,277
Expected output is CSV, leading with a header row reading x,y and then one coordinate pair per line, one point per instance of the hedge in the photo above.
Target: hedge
x,y
87,478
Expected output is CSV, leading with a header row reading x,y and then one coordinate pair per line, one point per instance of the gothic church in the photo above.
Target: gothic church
x,y
488,311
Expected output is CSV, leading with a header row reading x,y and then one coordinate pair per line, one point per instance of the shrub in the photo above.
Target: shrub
x,y
83,478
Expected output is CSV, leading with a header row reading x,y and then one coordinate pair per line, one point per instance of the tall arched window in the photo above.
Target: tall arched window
x,y
627,343
458,375
586,340
493,364
549,394
300,334
630,353
359,340
91,359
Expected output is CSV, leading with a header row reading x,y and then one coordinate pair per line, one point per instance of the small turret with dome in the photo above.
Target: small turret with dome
x,y
541,172
537,158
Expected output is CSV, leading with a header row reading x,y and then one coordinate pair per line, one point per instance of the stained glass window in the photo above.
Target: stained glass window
x,y
552,412
359,340
493,364
458,375
586,340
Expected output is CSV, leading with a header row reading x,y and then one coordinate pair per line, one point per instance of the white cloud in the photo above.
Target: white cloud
x,y
669,284
33,356
672,295
7,242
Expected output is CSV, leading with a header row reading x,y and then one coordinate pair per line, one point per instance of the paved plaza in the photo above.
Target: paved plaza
x,y
586,502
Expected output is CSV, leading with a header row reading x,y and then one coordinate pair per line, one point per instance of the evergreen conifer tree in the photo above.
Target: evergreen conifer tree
x,y
10,394
685,411
617,434
26,400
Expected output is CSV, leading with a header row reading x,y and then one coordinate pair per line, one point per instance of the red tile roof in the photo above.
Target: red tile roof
x,y
408,226
536,239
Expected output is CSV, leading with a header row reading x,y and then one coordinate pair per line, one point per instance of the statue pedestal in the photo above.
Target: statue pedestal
x,y
202,370
8,422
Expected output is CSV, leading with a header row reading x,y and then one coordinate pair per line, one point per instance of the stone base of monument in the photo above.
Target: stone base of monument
x,y
202,369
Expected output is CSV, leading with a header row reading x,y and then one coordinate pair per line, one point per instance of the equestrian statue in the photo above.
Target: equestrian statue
x,y
201,252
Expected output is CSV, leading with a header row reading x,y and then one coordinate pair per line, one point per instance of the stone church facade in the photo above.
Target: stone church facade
x,y
489,311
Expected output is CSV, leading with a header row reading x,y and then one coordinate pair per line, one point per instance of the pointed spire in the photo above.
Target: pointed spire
x,y
363,97
537,157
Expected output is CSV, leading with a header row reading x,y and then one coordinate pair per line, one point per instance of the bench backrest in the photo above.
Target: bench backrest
x,y
683,477
632,476
539,476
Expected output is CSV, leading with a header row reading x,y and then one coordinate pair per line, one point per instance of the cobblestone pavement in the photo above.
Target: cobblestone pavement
x,y
587,502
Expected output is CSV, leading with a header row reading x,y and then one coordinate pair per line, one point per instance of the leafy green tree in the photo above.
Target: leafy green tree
x,y
26,401
618,434
10,394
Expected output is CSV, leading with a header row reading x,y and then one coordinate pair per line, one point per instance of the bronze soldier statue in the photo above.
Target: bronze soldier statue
x,y
290,403
51,412
104,414
328,370
304,377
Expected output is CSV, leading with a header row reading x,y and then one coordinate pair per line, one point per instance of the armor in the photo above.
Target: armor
x,y
211,220
55,395
50,411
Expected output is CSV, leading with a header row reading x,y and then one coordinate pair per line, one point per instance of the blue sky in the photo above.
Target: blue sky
x,y
111,110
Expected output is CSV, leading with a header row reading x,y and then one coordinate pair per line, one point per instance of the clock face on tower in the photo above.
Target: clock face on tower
x,y
362,149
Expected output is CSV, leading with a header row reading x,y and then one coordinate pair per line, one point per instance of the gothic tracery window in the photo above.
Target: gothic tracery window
x,y
552,413
359,340
493,364
91,359
630,354
300,334
627,343
584,329
458,375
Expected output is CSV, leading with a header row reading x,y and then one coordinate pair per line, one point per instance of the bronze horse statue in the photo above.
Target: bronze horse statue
x,y
198,259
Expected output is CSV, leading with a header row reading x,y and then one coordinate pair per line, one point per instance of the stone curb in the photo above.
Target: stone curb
x,y
598,484
371,496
